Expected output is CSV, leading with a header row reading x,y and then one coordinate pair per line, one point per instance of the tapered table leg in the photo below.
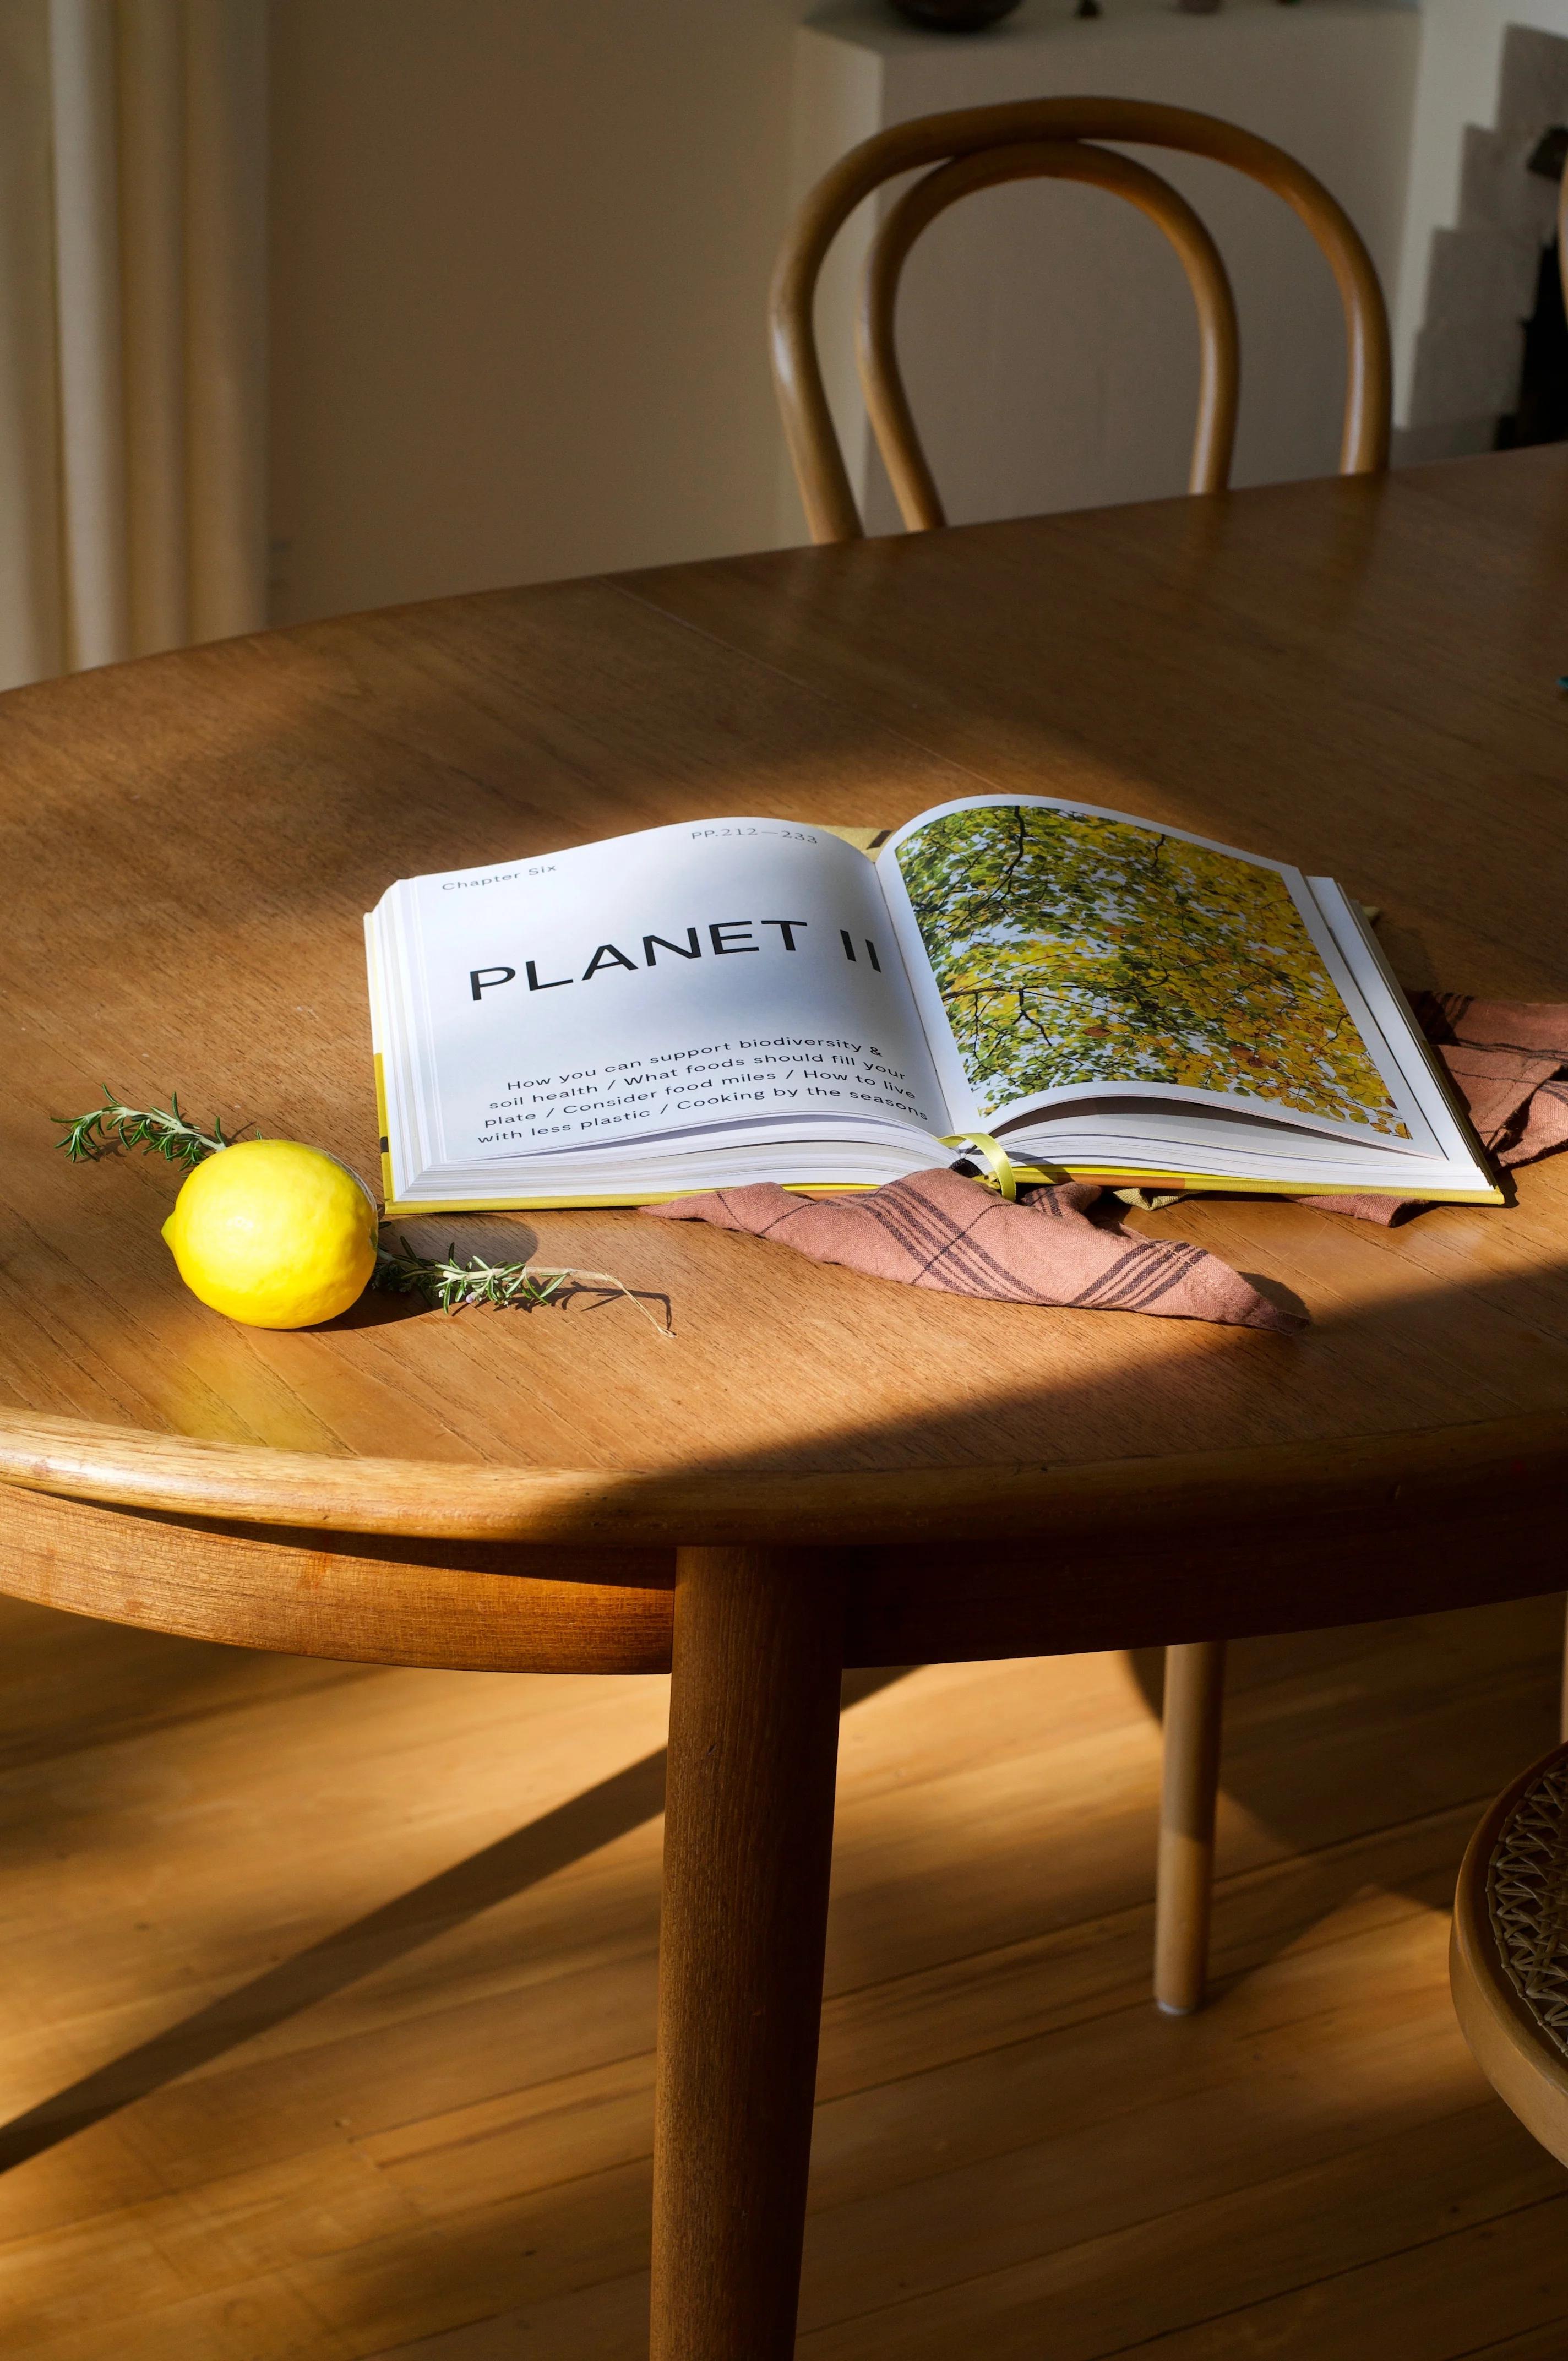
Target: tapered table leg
x,y
1194,1706
748,1837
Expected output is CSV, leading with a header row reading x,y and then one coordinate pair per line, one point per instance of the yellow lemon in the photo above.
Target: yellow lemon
x,y
274,1233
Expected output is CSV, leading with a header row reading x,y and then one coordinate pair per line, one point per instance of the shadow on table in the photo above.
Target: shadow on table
x,y
579,1827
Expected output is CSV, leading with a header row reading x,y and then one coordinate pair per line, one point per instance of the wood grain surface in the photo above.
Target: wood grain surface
x,y
743,1919
1358,675
347,1976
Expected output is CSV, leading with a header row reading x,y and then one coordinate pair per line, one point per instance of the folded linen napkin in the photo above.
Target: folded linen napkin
x,y
939,1229
1508,1060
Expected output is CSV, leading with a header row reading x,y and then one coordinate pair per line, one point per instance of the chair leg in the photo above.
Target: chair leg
x,y
1194,1706
1562,1703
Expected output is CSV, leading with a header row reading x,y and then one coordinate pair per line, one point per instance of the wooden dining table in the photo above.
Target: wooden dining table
x,y
816,1470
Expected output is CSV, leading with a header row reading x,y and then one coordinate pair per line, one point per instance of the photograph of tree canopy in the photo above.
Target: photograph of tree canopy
x,y
1073,948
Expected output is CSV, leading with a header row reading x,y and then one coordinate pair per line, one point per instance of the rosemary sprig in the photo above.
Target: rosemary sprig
x,y
164,1131
453,1285
446,1282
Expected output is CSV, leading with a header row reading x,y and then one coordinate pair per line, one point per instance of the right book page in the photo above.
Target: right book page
x,y
1063,953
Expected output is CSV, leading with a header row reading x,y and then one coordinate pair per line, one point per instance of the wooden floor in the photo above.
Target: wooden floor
x,y
326,1998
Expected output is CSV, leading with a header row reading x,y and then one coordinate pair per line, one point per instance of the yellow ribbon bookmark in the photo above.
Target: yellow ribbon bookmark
x,y
992,1155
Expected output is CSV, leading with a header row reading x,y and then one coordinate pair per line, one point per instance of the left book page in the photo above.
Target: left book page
x,y
714,1000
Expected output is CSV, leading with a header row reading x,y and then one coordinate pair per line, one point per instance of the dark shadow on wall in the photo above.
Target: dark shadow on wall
x,y
1486,342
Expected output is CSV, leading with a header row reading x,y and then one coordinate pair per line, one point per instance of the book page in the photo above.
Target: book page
x,y
715,974
1072,950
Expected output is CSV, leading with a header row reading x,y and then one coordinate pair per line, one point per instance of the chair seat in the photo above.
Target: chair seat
x,y
1509,1955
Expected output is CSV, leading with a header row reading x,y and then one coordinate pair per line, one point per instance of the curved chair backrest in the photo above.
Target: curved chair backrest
x,y
1046,138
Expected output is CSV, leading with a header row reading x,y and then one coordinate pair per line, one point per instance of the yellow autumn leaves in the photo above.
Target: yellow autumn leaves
x,y
1073,949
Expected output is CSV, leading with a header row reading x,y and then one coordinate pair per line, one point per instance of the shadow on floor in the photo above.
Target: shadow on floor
x,y
1479,1720
570,1833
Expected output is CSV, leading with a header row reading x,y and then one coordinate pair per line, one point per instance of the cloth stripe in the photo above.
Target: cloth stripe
x,y
943,1231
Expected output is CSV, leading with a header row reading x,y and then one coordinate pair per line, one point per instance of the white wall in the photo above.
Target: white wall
x,y
1457,90
521,249
520,253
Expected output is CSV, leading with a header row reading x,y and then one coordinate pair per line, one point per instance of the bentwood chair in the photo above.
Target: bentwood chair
x,y
1046,139
1057,138
1507,1960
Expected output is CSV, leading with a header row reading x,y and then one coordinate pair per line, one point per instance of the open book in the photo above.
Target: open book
x,y
733,1000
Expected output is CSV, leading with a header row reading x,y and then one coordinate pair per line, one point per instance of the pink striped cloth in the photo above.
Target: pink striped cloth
x,y
1508,1060
941,1230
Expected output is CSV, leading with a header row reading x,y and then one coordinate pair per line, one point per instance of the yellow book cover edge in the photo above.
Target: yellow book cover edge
x,y
1183,1184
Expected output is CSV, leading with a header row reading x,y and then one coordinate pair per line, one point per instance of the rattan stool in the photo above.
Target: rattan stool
x,y
1508,1960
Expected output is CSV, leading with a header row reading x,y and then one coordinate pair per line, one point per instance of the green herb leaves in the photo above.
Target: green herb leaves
x,y
163,1131
453,1285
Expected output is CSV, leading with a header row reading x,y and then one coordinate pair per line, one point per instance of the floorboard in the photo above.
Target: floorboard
x,y
327,2000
